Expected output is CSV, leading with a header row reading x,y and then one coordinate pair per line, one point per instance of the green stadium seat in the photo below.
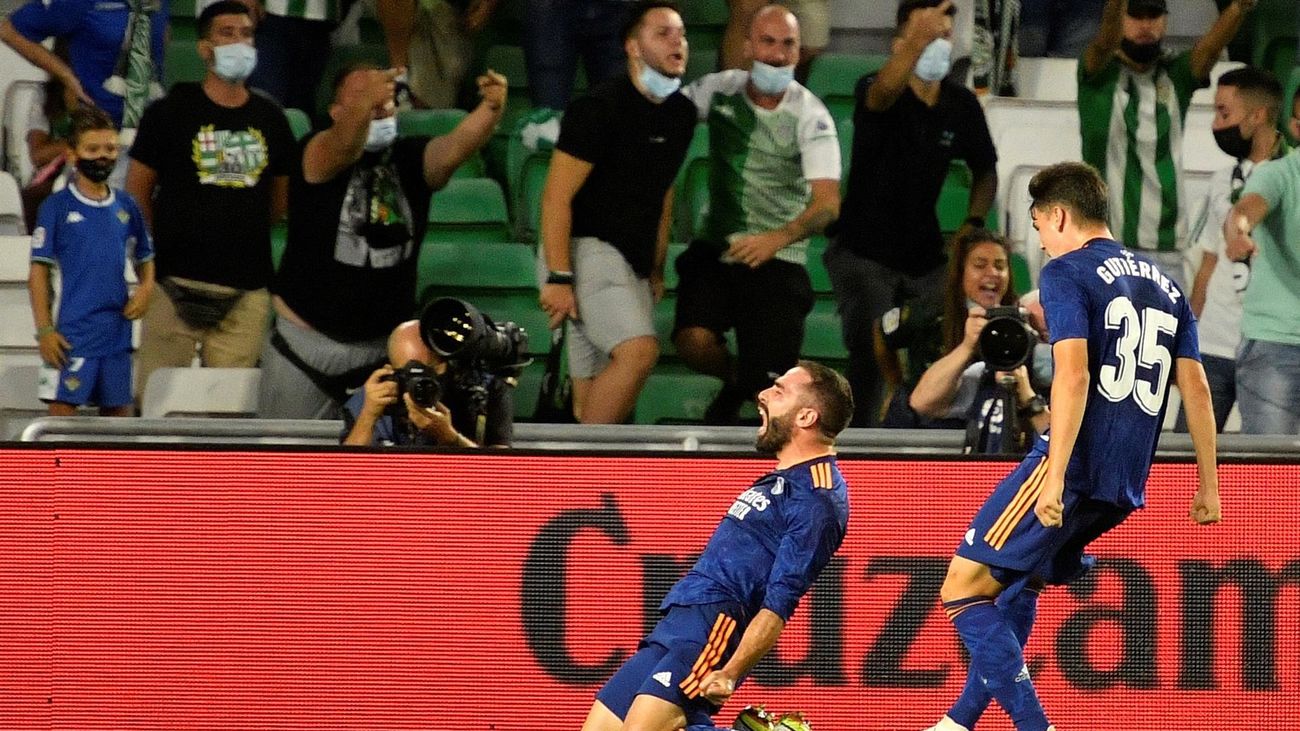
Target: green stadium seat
x,y
435,123
530,384
823,338
821,279
1275,36
1020,278
844,129
954,200
279,240
528,216
476,203
700,62
490,265
675,395
183,9
181,62
834,76
182,30
299,122
691,197
705,20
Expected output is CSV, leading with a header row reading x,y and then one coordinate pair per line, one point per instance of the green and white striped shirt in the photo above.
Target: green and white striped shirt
x,y
1132,129
762,159
305,9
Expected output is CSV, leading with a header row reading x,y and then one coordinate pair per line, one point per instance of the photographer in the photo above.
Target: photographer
x,y
386,411
958,386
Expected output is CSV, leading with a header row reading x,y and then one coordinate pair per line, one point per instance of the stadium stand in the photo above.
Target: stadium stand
x,y
11,207
1275,24
436,122
469,209
299,122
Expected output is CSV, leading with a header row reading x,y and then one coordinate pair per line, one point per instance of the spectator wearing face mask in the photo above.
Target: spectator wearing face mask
x,y
775,182
210,168
910,123
358,209
1133,97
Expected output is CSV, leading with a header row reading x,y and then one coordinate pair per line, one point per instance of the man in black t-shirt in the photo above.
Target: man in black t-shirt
x,y
358,207
210,168
606,211
909,124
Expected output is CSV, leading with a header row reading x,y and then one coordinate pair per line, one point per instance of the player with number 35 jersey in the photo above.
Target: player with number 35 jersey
x,y
1121,332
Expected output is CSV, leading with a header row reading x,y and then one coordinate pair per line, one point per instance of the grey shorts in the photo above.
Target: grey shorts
x,y
614,305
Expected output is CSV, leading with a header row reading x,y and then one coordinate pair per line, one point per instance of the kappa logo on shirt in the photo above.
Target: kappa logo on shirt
x,y
75,217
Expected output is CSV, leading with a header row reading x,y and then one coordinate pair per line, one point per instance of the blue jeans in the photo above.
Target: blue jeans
x,y
1222,375
1058,28
558,32
1268,387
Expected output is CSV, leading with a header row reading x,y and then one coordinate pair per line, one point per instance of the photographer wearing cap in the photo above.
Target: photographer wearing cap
x,y
422,398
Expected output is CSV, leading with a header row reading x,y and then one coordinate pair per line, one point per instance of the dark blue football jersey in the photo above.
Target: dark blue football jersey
x,y
1137,323
775,539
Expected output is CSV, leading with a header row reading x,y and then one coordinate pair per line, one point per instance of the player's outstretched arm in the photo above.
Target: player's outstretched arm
x,y
1195,391
1069,398
759,638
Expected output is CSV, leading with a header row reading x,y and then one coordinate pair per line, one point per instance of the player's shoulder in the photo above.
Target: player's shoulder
x,y
821,474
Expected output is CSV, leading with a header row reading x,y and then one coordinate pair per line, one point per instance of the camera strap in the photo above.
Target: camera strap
x,y
338,387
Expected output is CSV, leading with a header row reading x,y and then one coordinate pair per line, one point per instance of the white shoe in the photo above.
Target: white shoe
x,y
947,724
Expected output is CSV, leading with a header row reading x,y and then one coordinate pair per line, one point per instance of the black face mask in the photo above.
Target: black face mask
x,y
1231,142
96,169
1140,53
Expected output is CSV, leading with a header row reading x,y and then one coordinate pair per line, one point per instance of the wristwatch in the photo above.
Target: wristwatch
x,y
1033,407
554,277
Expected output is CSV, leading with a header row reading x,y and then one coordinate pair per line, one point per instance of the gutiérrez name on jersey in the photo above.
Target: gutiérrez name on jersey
x,y
1127,266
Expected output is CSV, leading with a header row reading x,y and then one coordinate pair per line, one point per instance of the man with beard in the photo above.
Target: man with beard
x,y
1133,98
730,608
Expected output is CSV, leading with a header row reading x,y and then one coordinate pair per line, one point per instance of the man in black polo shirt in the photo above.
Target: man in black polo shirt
x,y
605,214
909,124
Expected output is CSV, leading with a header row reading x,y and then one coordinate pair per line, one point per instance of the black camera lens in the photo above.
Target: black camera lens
x,y
1007,341
423,390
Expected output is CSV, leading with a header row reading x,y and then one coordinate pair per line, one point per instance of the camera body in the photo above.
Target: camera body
x,y
1007,341
420,381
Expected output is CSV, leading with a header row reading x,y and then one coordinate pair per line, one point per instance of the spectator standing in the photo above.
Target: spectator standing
x,y
606,211
442,47
909,125
210,168
559,33
87,231
1263,228
358,209
115,53
814,17
1133,97
48,127
1246,107
775,181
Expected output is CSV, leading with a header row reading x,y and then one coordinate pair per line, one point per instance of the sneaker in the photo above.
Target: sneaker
x,y
753,718
947,724
792,722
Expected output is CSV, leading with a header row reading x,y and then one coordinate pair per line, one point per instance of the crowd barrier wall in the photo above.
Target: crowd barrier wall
x,y
313,589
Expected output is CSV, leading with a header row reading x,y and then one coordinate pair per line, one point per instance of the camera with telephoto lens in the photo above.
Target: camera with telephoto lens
x,y
420,381
459,332
1007,341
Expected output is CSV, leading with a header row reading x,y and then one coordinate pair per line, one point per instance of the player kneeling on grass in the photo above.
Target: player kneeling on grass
x,y
1121,331
86,231
729,609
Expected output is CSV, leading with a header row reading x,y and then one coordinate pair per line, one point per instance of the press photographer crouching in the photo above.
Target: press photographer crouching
x,y
453,387
984,381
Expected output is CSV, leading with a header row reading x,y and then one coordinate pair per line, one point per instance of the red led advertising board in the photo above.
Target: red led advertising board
x,y
331,590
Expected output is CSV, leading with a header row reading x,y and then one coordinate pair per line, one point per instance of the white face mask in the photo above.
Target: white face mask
x,y
769,79
381,135
234,61
659,86
935,60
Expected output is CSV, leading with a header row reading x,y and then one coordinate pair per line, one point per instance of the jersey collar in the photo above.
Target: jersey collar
x,y
76,193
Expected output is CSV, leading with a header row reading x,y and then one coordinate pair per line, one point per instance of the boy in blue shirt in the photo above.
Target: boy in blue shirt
x,y
85,232
729,609
1121,331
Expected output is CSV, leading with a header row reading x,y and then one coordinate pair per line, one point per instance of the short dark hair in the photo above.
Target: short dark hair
x,y
222,7
1259,86
1073,185
85,119
637,12
832,398
907,7
347,70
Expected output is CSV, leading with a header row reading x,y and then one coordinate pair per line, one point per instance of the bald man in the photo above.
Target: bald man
x,y
372,416
775,183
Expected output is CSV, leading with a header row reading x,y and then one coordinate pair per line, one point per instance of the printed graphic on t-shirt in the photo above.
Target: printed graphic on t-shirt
x,y
374,224
229,158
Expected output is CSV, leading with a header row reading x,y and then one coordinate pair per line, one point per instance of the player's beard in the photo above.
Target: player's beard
x,y
777,434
